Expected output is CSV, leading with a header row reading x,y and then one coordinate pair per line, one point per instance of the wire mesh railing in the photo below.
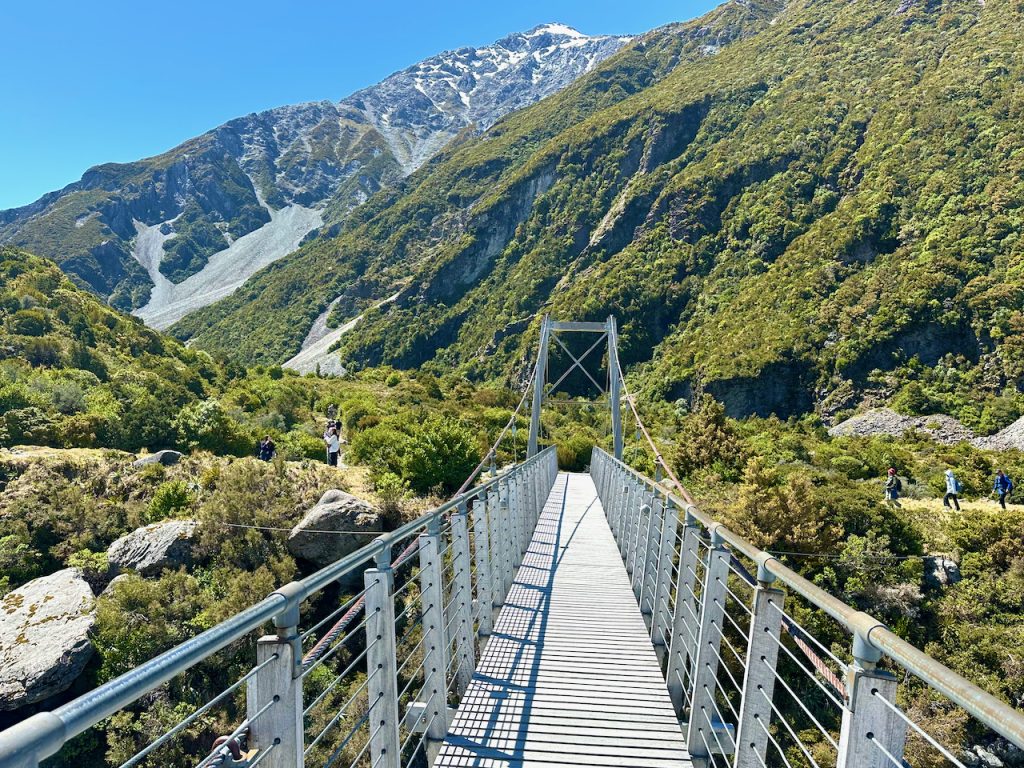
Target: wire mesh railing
x,y
368,682
753,657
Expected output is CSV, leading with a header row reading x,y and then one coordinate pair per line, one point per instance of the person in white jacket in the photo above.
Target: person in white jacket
x,y
952,490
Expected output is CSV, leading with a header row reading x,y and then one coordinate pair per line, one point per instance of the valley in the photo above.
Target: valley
x,y
807,219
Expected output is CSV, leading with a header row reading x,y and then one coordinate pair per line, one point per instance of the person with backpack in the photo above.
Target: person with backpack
x,y
893,486
333,443
267,450
953,489
1003,486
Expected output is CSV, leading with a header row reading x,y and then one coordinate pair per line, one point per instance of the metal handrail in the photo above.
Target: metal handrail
x,y
988,709
43,734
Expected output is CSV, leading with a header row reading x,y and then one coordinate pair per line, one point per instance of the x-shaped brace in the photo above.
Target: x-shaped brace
x,y
578,361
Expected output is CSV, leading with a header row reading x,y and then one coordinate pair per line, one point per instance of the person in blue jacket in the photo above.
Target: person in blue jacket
x,y
952,490
1003,486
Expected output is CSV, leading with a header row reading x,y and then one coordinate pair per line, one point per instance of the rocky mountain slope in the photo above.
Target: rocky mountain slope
x,y
272,316
175,232
833,198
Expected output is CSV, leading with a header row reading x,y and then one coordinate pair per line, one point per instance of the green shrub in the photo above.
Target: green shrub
x,y
708,442
298,444
574,453
392,491
380,447
442,453
29,322
205,425
28,425
171,499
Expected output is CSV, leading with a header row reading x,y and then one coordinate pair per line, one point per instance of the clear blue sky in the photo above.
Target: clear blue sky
x,y
93,82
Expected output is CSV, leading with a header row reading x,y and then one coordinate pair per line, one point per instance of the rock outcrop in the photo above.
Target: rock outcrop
x,y
167,457
151,549
885,421
44,637
940,571
940,427
336,511
1005,439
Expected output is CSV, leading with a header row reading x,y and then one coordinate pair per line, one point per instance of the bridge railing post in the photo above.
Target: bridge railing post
x,y
649,579
484,579
274,699
872,735
626,518
507,539
495,530
685,618
759,677
641,538
522,513
661,621
462,625
382,669
705,729
435,645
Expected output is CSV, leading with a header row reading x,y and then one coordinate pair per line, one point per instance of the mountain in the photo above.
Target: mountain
x,y
175,232
827,209
284,309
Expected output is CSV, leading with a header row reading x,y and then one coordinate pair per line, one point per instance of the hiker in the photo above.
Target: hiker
x,y
1002,486
893,486
333,443
953,489
267,449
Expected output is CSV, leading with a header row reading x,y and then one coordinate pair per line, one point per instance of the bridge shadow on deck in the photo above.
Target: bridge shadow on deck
x,y
498,736
569,676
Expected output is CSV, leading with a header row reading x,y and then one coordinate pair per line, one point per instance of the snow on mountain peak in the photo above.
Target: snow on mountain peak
x,y
555,28
419,109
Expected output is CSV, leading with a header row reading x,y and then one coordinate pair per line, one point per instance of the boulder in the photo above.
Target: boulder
x,y
151,549
336,511
986,758
167,458
44,637
940,571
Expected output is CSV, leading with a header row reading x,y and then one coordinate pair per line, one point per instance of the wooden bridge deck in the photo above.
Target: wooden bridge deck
x,y
569,676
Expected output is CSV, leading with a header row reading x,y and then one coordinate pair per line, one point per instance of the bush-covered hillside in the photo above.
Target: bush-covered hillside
x,y
827,209
75,372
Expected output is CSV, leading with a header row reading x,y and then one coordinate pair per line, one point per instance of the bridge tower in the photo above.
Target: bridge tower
x,y
550,329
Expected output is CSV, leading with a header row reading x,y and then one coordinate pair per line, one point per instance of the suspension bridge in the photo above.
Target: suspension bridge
x,y
546,618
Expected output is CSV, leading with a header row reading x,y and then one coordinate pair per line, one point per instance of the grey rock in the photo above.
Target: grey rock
x,y
166,457
885,421
1005,439
44,637
1010,754
940,571
986,758
151,549
336,511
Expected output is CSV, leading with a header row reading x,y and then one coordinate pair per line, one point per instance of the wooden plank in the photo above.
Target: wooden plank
x,y
569,675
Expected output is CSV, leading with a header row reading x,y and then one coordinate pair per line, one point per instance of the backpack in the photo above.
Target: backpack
x,y
957,486
899,484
